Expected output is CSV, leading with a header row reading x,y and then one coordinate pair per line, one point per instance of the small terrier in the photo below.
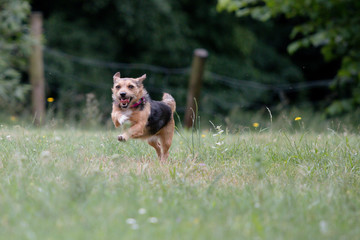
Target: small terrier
x,y
149,119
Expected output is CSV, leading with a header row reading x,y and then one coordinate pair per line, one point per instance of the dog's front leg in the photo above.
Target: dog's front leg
x,y
119,119
115,118
135,131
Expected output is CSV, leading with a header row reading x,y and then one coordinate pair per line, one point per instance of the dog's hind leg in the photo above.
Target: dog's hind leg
x,y
154,142
165,146
165,142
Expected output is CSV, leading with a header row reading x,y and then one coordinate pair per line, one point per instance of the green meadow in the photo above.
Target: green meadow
x,y
83,184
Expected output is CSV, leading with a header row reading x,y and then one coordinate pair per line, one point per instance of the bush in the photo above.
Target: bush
x,y
15,47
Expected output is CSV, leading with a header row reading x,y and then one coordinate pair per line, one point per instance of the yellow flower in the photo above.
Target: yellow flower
x,y
255,125
203,135
297,118
50,99
13,118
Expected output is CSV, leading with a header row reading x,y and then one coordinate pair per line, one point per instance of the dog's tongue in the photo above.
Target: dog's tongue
x,y
123,101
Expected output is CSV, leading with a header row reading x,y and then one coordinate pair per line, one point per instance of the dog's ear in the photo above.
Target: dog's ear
x,y
116,75
142,78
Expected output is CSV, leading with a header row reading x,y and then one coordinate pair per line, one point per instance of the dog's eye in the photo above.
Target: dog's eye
x,y
117,87
130,86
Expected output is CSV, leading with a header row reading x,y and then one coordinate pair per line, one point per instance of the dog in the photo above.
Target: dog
x,y
149,120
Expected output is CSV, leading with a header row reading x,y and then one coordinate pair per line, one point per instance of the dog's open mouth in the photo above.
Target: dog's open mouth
x,y
124,102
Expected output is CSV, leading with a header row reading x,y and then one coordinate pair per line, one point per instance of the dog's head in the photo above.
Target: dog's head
x,y
127,91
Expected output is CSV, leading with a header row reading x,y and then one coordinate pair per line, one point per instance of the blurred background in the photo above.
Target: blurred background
x,y
297,58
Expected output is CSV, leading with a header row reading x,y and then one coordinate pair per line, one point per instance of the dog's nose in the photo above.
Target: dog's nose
x,y
123,94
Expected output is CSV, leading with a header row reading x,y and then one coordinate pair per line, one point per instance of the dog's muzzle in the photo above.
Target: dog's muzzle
x,y
124,101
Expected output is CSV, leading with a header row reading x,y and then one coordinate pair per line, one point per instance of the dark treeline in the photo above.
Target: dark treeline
x,y
165,33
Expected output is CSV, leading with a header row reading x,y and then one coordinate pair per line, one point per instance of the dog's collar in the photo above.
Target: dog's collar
x,y
141,101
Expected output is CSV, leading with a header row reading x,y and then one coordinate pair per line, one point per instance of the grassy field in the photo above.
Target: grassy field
x,y
78,184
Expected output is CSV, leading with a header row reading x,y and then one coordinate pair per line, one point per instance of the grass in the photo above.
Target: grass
x,y
82,184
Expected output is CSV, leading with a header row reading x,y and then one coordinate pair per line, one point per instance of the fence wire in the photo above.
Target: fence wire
x,y
225,80
220,94
117,65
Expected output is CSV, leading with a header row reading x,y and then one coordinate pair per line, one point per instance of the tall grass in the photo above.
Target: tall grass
x,y
79,184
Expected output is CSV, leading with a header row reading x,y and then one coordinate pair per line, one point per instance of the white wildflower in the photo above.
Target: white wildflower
x,y
153,220
323,227
131,221
135,226
45,154
218,133
142,211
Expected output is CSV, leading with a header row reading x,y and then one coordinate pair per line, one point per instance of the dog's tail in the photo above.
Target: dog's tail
x,y
170,101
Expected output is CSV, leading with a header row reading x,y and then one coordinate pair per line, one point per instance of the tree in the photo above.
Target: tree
x,y
332,25
127,31
14,50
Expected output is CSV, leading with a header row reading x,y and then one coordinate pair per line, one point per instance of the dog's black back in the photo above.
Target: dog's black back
x,y
160,115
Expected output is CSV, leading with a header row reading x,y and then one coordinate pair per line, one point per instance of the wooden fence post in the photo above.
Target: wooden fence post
x,y
195,83
36,71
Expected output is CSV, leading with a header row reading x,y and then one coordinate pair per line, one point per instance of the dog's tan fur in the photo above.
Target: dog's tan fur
x,y
134,89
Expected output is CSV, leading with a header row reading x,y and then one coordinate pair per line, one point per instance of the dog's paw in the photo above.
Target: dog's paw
x,y
121,138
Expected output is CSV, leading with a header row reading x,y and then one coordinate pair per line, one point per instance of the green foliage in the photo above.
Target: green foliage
x,y
332,25
13,94
14,49
127,31
132,33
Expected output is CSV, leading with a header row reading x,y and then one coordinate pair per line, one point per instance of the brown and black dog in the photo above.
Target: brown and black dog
x,y
149,120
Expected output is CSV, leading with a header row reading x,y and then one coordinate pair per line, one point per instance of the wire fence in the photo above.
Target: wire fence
x,y
228,81
117,65
237,83
242,86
